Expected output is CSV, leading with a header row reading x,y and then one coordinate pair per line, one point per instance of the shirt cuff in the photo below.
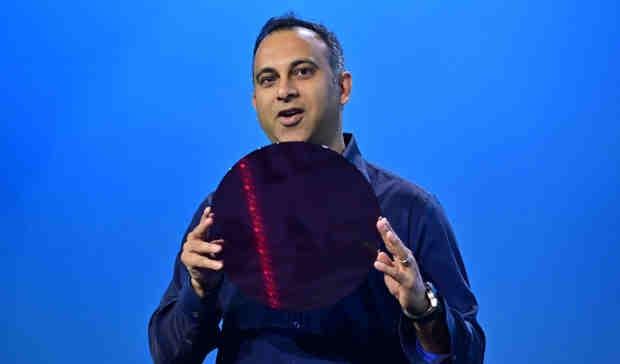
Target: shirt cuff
x,y
411,346
428,357
195,307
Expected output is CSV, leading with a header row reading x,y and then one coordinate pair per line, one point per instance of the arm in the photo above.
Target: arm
x,y
440,262
184,328
455,334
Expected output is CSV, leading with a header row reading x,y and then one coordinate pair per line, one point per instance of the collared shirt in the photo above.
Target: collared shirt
x,y
365,327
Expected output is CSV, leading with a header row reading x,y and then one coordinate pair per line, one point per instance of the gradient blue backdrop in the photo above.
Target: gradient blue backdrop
x,y
119,117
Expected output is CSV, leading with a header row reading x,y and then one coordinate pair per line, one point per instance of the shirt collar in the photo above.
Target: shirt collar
x,y
353,155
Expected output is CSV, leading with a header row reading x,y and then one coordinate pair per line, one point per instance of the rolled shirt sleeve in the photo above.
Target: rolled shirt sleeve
x,y
184,327
428,357
434,245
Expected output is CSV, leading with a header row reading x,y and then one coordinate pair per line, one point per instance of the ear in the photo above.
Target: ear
x,y
254,99
345,82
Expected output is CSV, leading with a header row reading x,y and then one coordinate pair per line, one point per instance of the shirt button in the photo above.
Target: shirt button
x,y
296,324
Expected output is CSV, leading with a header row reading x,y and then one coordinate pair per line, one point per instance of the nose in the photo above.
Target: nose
x,y
286,91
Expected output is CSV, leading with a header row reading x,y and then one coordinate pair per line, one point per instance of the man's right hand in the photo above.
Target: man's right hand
x,y
198,256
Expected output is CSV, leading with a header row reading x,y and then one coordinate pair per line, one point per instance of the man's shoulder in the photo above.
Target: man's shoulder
x,y
388,183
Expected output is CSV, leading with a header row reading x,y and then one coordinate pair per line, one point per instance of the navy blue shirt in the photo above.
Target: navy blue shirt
x,y
365,327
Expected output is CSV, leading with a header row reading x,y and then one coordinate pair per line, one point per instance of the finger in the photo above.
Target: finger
x,y
205,213
392,285
385,259
204,248
391,271
392,242
206,220
194,260
217,243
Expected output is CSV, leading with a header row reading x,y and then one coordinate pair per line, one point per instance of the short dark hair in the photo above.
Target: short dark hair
x,y
288,21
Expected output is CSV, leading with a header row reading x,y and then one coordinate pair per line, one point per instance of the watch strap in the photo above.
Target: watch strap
x,y
434,309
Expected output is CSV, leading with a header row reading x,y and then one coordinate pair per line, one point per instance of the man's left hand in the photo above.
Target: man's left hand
x,y
401,275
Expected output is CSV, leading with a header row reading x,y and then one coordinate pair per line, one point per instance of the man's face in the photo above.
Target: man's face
x,y
294,95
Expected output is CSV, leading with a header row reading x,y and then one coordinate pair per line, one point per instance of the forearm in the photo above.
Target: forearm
x,y
467,339
184,330
434,336
456,336
457,332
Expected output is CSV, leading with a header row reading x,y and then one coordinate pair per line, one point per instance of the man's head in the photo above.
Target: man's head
x,y
299,82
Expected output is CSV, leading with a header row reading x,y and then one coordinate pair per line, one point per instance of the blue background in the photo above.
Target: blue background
x,y
119,117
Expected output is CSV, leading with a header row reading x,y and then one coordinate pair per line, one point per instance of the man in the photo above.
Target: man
x,y
300,88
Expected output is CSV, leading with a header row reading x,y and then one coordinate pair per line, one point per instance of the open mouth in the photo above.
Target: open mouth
x,y
290,117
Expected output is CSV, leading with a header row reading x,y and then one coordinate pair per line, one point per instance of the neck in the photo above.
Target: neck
x,y
337,145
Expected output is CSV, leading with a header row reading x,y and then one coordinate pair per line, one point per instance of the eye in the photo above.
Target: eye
x,y
304,72
266,81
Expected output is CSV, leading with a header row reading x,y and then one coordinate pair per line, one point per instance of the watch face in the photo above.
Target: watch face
x,y
299,224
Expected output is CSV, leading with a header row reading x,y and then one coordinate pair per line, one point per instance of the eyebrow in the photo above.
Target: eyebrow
x,y
294,64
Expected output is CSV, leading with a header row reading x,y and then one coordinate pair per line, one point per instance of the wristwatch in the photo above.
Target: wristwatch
x,y
434,308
